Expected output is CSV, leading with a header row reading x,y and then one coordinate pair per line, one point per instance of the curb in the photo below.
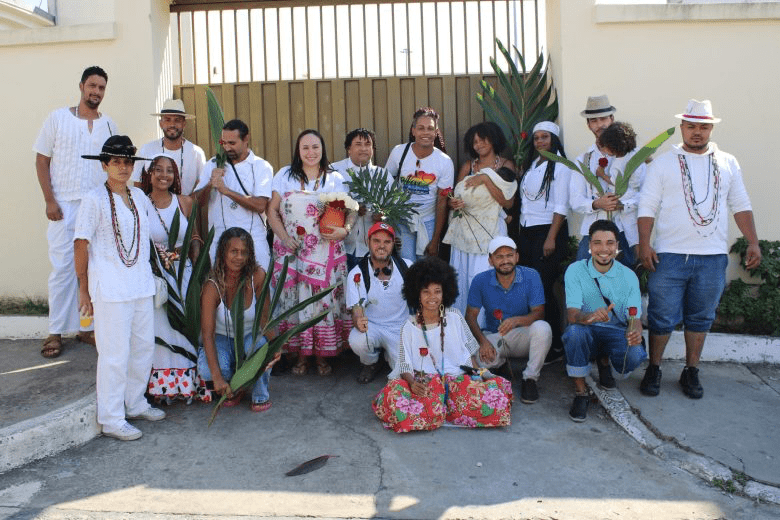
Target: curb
x,y
684,457
72,425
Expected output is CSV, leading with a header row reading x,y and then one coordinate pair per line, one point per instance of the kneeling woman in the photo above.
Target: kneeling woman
x,y
234,263
428,384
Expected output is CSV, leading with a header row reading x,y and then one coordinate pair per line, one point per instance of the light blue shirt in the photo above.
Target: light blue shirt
x,y
620,285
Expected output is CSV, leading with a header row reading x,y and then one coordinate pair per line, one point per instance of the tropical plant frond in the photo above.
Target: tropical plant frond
x,y
379,195
216,122
237,317
261,299
621,182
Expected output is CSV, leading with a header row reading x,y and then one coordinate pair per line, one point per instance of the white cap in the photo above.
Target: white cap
x,y
498,242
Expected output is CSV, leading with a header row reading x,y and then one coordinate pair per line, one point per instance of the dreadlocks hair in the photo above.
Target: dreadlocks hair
x,y
549,172
146,176
438,141
217,273
619,138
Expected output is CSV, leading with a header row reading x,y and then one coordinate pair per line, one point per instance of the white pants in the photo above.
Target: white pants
x,y
533,341
124,332
368,344
63,285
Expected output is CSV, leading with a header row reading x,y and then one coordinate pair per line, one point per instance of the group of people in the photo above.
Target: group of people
x,y
442,327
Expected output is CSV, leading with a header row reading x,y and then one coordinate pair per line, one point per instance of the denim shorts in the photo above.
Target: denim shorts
x,y
687,289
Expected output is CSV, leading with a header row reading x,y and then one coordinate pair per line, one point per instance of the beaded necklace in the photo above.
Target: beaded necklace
x,y
154,205
542,190
475,162
125,252
713,172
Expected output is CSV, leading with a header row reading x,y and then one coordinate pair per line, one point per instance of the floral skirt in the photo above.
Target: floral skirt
x,y
474,404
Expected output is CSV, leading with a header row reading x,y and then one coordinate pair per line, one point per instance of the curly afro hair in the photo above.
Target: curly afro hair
x,y
619,138
423,273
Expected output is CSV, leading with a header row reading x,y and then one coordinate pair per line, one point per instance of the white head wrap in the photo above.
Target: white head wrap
x,y
547,126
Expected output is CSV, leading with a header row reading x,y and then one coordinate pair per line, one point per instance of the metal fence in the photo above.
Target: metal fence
x,y
230,42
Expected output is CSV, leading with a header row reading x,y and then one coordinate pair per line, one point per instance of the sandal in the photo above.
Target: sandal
x,y
52,346
233,401
368,373
301,366
87,337
260,407
323,368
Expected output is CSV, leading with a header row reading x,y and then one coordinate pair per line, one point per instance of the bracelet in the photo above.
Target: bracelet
x,y
197,237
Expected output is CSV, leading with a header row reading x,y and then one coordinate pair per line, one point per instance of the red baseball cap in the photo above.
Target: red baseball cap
x,y
381,226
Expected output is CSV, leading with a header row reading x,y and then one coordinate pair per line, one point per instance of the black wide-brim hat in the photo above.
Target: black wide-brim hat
x,y
116,146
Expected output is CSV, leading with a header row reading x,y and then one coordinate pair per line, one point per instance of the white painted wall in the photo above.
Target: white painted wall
x,y
650,59
42,70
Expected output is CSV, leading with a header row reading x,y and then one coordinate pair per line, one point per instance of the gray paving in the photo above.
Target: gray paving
x,y
736,422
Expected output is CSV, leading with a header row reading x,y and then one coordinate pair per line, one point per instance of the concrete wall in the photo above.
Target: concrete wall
x,y
650,59
43,67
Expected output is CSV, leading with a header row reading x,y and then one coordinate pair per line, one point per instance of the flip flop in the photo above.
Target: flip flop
x,y
52,346
260,407
233,401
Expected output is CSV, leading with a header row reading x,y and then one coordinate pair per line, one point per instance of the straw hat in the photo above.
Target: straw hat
x,y
698,112
598,106
173,107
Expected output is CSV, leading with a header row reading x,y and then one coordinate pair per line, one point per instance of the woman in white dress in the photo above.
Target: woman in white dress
x,y
174,375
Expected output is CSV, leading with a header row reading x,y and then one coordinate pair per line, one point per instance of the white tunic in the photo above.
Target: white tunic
x,y
537,208
282,183
693,219
65,138
117,282
190,160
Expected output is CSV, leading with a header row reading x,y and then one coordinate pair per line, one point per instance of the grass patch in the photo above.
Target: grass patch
x,y
24,305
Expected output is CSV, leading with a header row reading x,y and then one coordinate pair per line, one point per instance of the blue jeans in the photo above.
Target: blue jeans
x,y
409,240
586,343
625,257
227,363
685,288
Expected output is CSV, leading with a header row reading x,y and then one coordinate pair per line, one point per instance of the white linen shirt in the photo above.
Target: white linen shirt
x,y
356,241
582,194
256,174
663,198
435,172
106,272
190,155
282,183
65,138
540,212
384,306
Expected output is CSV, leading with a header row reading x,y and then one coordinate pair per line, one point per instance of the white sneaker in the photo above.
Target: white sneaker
x,y
125,432
150,414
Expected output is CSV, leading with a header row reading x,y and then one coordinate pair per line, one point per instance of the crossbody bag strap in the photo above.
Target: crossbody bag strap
x,y
606,300
403,157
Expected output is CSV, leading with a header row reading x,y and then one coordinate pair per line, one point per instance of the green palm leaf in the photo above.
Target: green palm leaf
x,y
216,122
621,181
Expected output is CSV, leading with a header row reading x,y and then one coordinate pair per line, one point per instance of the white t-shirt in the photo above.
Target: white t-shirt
x,y
282,183
691,216
384,306
256,176
116,281
191,156
65,138
355,243
538,208
423,178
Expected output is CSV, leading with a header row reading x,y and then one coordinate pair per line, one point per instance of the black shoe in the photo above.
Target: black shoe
x,y
651,383
689,380
579,408
528,392
554,355
606,381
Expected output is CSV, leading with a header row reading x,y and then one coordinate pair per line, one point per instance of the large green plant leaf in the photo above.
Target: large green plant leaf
x,y
216,122
582,169
621,181
237,317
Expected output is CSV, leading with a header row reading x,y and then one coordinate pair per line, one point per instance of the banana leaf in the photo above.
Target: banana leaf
x,y
216,122
621,181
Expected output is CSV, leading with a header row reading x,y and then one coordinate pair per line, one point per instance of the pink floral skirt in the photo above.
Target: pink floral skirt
x,y
474,404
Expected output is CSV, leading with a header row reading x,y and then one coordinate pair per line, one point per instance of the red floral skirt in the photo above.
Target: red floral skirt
x,y
474,404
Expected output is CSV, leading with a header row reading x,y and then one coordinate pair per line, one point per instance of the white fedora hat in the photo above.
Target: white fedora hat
x,y
598,106
698,112
174,107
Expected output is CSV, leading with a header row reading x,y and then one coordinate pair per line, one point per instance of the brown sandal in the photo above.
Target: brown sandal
x,y
323,368
301,366
368,373
52,346
86,336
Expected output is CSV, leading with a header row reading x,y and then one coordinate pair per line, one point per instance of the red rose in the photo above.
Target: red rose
x,y
423,351
338,204
497,314
357,278
523,135
603,162
301,231
446,192
632,311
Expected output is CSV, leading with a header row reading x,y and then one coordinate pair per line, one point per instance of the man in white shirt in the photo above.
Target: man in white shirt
x,y
238,193
584,199
65,178
687,195
378,307
360,145
189,157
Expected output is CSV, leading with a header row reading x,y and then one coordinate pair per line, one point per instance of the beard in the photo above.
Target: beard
x,y
379,256
91,103
505,269
173,133
697,147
